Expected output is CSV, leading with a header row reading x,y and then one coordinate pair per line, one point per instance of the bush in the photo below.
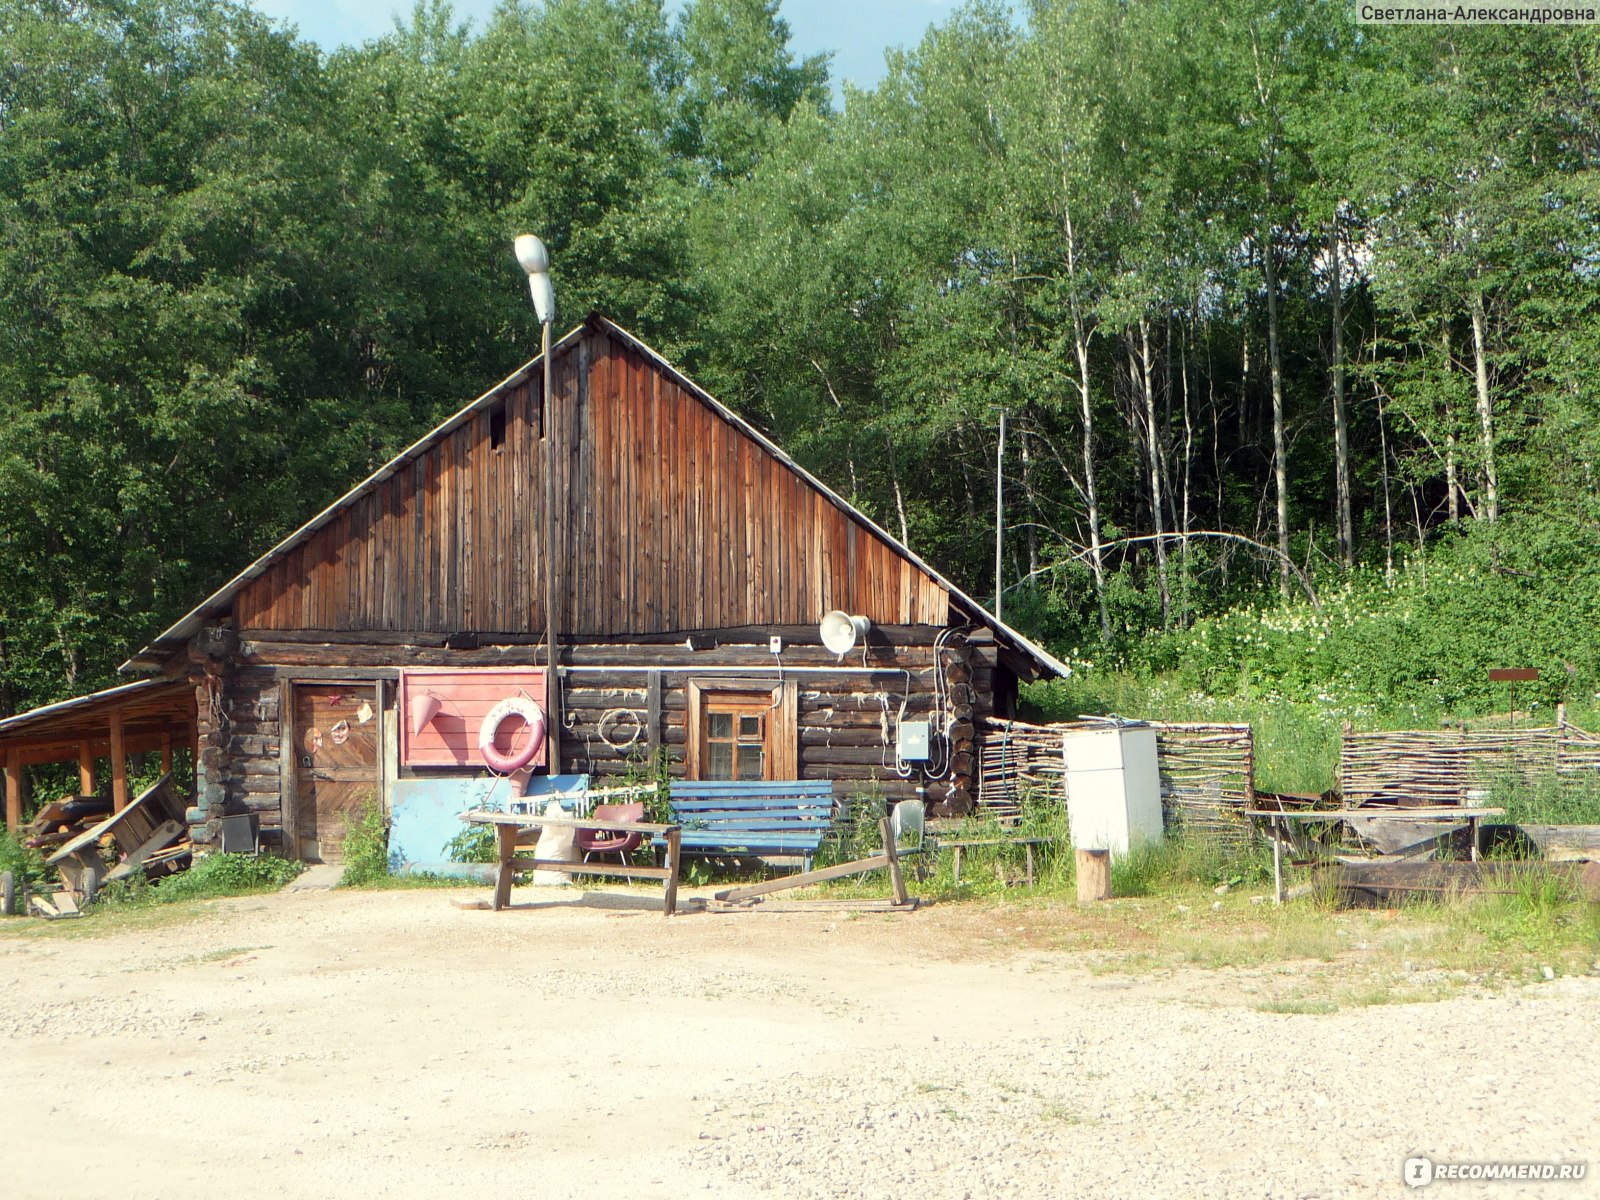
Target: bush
x,y
1519,593
226,875
366,847
211,877
26,866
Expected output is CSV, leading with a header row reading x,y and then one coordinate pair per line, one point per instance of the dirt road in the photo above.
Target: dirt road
x,y
335,1044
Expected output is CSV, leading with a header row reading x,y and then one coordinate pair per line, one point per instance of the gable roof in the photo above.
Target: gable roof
x,y
222,600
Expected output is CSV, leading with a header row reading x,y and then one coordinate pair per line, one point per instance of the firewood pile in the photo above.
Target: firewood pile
x,y
61,821
1207,772
90,846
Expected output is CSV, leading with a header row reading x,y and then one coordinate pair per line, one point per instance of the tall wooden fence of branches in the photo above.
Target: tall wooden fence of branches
x,y
1419,767
1207,773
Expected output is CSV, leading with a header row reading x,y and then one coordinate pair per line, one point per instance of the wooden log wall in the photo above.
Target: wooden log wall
x,y
624,701
208,675
1207,772
251,709
1426,767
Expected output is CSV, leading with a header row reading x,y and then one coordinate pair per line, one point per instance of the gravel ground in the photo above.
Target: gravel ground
x,y
317,1044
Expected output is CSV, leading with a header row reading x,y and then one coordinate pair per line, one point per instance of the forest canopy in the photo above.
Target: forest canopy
x,y
1272,303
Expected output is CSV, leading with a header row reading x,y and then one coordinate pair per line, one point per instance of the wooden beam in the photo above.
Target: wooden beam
x,y
166,754
119,765
653,717
13,792
85,769
66,752
289,804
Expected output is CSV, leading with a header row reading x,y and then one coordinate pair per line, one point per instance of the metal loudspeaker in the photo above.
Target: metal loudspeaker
x,y
841,631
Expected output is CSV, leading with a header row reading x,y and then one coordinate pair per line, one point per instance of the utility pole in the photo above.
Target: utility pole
x,y
999,513
535,260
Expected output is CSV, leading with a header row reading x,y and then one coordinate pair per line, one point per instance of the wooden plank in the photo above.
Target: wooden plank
x,y
531,821
119,764
162,837
805,878
897,883
130,812
1565,843
792,905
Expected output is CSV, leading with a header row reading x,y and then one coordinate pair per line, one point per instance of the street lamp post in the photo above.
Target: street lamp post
x,y
535,261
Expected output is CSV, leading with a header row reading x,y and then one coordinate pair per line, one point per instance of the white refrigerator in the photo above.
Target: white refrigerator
x,y
1113,787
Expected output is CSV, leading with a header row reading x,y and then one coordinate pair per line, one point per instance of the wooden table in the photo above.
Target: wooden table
x,y
510,828
955,862
1444,814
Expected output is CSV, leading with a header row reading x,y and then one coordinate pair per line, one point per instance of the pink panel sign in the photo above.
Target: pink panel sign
x,y
442,711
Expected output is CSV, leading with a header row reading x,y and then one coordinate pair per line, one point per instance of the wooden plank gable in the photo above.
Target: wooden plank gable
x,y
675,518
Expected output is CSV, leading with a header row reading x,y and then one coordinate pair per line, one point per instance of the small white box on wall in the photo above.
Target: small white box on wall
x,y
913,741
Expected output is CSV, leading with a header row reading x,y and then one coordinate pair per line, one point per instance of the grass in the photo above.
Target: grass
x,y
1193,904
136,903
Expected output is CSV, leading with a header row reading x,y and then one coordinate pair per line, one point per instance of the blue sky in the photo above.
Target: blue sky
x,y
857,31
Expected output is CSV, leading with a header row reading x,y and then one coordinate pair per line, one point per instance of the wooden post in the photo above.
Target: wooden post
x,y
1277,863
507,837
166,754
13,792
669,901
653,710
897,881
1094,875
119,765
85,770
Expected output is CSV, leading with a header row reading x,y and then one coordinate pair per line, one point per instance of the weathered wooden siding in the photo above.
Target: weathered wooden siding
x,y
845,711
675,520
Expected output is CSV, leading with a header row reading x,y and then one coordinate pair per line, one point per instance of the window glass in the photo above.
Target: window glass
x,y
721,725
749,726
750,762
719,761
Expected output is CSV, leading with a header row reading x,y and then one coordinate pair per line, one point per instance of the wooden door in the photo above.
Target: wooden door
x,y
336,763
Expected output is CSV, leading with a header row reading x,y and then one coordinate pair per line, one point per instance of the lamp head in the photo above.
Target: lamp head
x,y
534,258
532,254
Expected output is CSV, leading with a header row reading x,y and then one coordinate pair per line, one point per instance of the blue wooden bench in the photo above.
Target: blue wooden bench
x,y
756,816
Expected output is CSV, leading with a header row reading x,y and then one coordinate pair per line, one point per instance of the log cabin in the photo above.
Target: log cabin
x,y
691,563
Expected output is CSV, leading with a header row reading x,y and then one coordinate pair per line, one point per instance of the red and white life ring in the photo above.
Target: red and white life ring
x,y
523,709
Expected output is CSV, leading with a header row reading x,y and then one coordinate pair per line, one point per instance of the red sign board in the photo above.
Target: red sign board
x,y
1513,674
442,729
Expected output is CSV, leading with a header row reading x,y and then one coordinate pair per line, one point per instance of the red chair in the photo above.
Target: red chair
x,y
611,841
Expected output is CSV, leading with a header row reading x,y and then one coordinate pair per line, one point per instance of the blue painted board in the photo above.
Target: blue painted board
x,y
424,812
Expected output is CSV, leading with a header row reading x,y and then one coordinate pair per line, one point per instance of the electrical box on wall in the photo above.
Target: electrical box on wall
x,y
913,744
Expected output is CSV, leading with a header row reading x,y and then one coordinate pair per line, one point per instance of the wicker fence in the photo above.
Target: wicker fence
x,y
1207,772
1414,768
